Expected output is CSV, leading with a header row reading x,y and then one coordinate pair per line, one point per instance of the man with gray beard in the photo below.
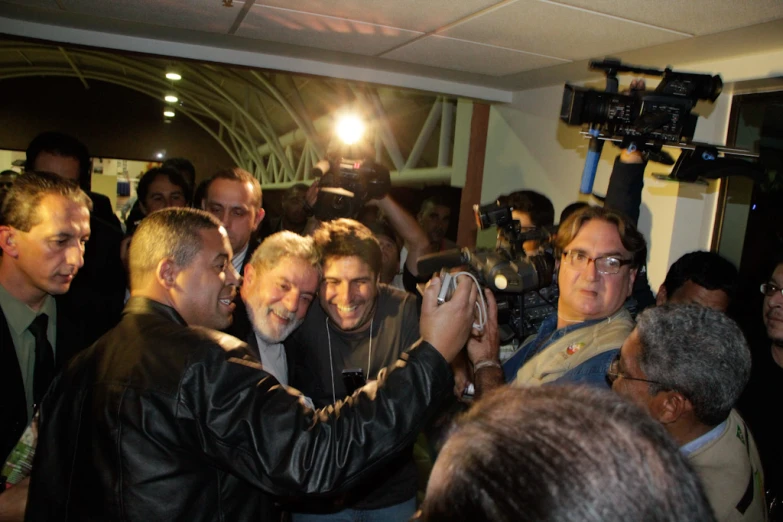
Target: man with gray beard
x,y
279,283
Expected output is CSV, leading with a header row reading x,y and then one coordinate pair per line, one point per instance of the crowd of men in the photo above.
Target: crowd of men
x,y
196,364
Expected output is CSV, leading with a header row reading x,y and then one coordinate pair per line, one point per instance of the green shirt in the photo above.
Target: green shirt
x,y
19,316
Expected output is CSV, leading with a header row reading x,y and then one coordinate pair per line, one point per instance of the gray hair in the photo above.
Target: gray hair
x,y
285,244
697,351
563,454
169,233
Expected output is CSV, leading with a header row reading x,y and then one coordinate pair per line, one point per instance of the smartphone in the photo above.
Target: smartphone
x,y
353,379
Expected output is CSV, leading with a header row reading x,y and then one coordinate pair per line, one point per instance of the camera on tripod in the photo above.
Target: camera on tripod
x,y
662,116
507,271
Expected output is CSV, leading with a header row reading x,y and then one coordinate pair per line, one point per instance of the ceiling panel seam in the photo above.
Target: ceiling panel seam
x,y
618,18
450,25
566,60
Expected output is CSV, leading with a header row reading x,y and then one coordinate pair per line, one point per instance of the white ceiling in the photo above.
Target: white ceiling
x,y
508,45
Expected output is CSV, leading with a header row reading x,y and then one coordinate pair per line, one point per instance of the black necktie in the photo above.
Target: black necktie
x,y
44,358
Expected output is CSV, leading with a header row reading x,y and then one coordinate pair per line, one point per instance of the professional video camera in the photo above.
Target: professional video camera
x,y
663,115
347,186
506,271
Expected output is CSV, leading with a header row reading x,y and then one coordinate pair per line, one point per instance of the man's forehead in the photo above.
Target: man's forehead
x,y
55,207
600,235
292,270
216,240
336,263
219,190
694,293
630,347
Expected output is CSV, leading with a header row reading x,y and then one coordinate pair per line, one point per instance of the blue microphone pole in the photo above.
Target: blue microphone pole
x,y
596,145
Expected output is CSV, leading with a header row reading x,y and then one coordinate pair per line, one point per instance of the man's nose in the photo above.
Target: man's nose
x,y
344,293
75,256
291,301
232,276
591,271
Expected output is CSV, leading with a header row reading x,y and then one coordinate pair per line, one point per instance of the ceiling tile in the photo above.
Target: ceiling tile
x,y
558,31
52,4
696,17
414,15
449,53
323,32
198,15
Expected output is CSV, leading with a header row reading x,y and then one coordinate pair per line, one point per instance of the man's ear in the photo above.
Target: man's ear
x,y
8,241
259,217
670,406
249,275
166,273
662,295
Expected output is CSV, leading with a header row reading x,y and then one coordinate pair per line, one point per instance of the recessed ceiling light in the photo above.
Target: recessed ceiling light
x,y
171,75
171,98
168,114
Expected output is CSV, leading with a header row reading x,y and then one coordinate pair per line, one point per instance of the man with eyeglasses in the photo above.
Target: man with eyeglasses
x,y
687,365
599,252
759,402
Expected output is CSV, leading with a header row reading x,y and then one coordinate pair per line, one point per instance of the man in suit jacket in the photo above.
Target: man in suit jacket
x,y
99,291
44,226
280,282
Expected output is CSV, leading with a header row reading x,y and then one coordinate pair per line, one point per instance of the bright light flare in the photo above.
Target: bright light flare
x,y
168,114
171,98
173,76
350,129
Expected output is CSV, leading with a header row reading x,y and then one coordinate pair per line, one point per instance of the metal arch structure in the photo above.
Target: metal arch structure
x,y
262,119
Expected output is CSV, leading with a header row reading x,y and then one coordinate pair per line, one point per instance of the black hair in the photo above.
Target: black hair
x,y
184,167
151,175
706,269
570,209
59,144
536,205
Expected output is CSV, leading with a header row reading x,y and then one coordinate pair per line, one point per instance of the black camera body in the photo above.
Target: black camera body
x,y
507,271
347,186
662,116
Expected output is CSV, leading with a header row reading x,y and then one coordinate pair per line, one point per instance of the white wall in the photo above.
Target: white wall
x,y
529,148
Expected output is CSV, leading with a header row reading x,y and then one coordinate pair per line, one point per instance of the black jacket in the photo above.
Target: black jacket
x,y
13,403
158,421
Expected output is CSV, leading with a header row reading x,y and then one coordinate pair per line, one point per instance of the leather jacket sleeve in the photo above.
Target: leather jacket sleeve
x,y
249,424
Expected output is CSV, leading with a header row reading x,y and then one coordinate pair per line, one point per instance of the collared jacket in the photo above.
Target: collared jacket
x,y
160,421
13,403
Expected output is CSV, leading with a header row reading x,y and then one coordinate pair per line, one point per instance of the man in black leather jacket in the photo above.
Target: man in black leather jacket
x,y
165,419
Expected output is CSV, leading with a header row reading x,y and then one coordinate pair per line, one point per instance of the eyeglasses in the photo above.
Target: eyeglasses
x,y
605,265
613,373
770,289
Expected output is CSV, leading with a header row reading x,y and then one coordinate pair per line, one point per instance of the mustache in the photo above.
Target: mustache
x,y
282,312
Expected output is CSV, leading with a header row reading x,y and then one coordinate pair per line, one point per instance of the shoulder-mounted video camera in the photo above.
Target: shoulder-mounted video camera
x,y
506,270
347,186
662,115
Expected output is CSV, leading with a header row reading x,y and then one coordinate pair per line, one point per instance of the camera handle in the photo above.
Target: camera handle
x,y
596,145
